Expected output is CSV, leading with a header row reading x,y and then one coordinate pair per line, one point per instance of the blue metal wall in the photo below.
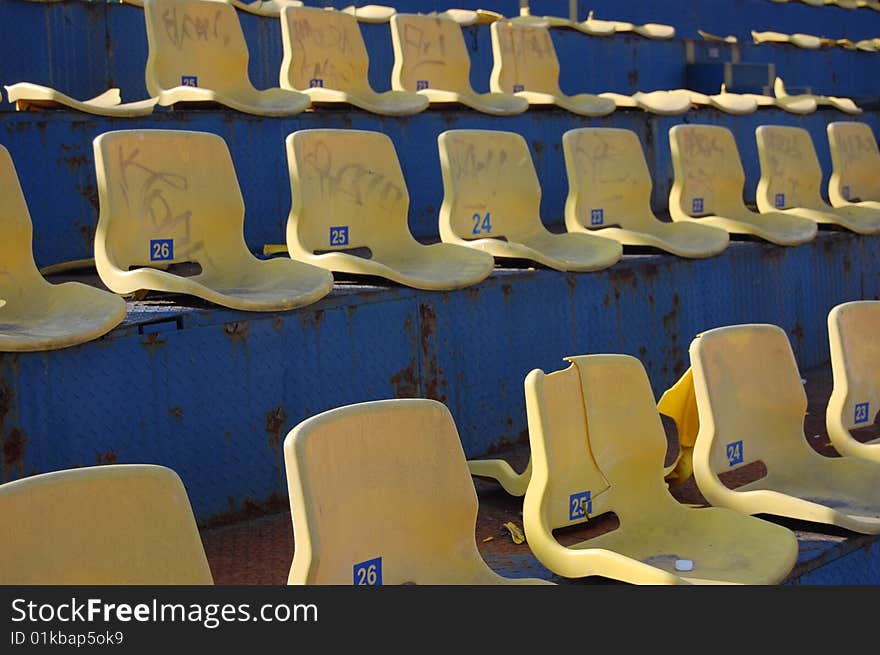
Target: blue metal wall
x,y
212,392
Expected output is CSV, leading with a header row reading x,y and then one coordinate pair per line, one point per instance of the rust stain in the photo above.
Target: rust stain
x,y
250,509
278,324
276,421
14,447
435,382
406,382
237,331
153,340
90,193
798,332
847,263
312,319
87,232
507,290
539,148
110,457
176,412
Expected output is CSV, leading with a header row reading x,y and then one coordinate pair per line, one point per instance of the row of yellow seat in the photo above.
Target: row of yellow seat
x,y
380,492
198,55
170,197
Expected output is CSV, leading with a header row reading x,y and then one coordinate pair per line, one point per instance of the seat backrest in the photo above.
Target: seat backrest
x,y
490,187
524,59
429,53
564,468
855,162
347,191
749,396
608,179
195,43
791,175
166,197
853,328
18,271
380,493
709,177
323,49
120,524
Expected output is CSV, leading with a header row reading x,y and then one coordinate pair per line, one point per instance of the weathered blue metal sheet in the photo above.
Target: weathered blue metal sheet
x,y
212,392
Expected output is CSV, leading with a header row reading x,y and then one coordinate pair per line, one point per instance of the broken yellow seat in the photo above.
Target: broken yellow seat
x,y
855,163
751,404
845,105
664,103
171,197
791,177
708,188
431,58
325,57
120,524
34,314
492,201
598,447
27,96
525,64
609,193
197,54
855,366
729,103
380,494
271,8
348,193
679,403
503,473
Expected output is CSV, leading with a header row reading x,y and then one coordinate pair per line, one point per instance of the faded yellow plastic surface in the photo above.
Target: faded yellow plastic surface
x,y
730,103
679,403
383,483
525,64
161,186
751,405
855,162
492,201
791,177
34,314
271,8
369,13
807,41
209,65
348,192
648,30
853,328
609,193
120,524
597,447
325,57
431,58
708,188
26,95
502,472
845,105
665,103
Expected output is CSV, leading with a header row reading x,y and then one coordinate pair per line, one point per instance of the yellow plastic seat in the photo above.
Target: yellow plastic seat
x,y
28,96
503,473
431,58
751,405
664,103
34,314
598,447
492,199
348,193
679,403
648,30
729,103
271,8
855,366
791,177
708,186
845,105
380,495
197,54
120,524
171,197
325,57
806,41
609,193
467,17
855,163
525,64
370,13
730,38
